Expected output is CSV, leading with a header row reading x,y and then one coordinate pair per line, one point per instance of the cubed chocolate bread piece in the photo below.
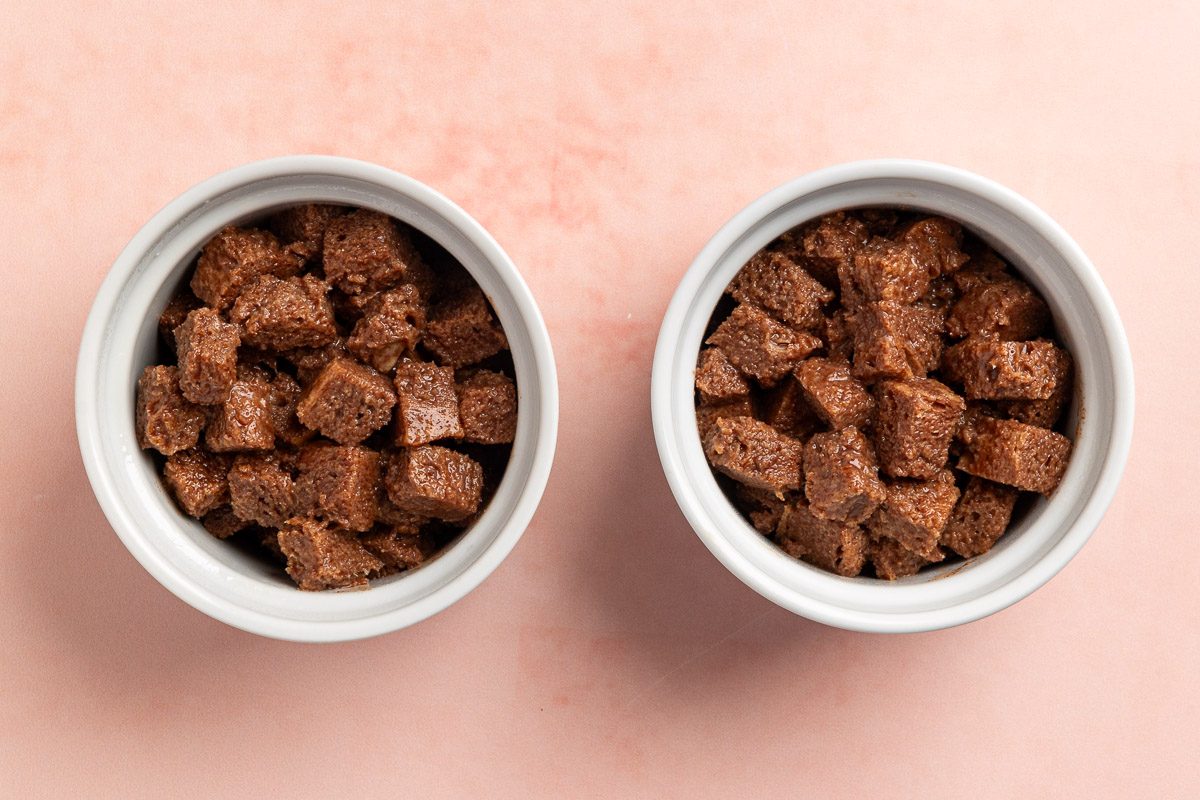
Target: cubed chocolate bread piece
x,y
261,490
197,479
838,547
176,311
1009,310
339,484
233,258
893,560
983,268
487,407
776,283
366,251
841,478
1016,454
320,556
1046,413
759,346
164,418
426,404
243,421
707,414
390,326
208,350
892,340
785,409
915,421
763,506
222,523
989,369
347,402
935,243
887,270
309,361
435,482
839,336
915,513
282,398
834,394
717,378
462,330
280,315
398,549
830,245
302,228
980,518
754,453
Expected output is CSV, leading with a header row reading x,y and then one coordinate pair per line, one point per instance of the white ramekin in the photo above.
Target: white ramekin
x,y
119,340
1045,538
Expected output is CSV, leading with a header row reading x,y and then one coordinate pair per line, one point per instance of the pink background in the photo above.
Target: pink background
x,y
611,655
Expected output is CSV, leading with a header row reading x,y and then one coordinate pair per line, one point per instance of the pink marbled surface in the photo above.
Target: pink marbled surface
x,y
611,655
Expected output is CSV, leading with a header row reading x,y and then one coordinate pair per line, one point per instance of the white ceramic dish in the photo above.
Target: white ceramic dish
x,y
1045,538
119,340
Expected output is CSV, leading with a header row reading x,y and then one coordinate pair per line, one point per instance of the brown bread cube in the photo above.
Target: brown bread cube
x,y
390,327
833,393
915,423
892,340
759,346
780,286
785,409
243,421
176,311
435,482
1009,310
914,513
462,330
339,484
983,268
398,549
487,407
841,479
279,315
935,243
197,479
282,398
839,336
164,419
1046,413
829,246
426,404
347,402
1016,454
763,506
893,560
887,270
366,251
235,257
322,557
208,352
976,410
309,361
989,369
717,378
754,453
707,414
222,523
980,518
302,228
838,547
261,490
